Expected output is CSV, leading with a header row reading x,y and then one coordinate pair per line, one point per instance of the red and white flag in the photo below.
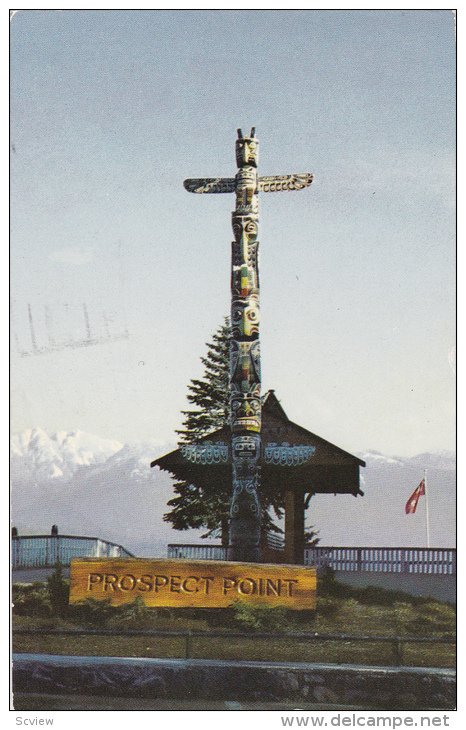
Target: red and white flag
x,y
411,504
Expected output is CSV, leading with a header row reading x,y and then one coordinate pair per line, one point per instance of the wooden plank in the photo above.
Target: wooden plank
x,y
192,583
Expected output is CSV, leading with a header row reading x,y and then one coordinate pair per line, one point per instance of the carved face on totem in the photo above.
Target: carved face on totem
x,y
247,151
245,363
245,411
244,256
244,228
246,447
245,317
246,189
246,453
245,501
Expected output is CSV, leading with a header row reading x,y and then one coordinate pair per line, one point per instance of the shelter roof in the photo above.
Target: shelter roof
x,y
328,468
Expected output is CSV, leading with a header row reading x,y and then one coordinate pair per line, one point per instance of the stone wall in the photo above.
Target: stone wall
x,y
388,688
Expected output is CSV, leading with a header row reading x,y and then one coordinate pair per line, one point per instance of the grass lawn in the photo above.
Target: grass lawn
x,y
340,610
290,650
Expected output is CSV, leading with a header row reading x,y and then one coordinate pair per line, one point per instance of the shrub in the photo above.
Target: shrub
x,y
58,591
134,615
433,618
262,618
328,586
328,606
377,596
31,600
92,612
101,614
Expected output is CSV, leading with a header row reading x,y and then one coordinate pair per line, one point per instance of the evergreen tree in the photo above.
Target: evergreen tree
x,y
311,536
195,505
208,505
211,394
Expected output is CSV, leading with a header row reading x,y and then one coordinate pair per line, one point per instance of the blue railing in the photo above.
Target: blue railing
x,y
44,551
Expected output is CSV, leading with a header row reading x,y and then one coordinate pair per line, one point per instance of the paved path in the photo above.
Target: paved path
x,y
27,701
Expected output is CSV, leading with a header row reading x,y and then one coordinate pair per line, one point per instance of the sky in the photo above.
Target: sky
x,y
111,110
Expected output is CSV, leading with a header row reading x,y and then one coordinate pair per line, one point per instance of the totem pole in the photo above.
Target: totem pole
x,y
245,382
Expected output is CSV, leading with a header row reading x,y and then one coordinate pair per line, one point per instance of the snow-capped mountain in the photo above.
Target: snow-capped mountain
x,y
40,456
91,486
376,457
436,460
88,485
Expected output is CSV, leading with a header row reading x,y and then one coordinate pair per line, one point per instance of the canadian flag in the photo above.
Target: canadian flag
x,y
411,504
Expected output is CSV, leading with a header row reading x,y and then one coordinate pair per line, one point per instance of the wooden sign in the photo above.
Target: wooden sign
x,y
192,583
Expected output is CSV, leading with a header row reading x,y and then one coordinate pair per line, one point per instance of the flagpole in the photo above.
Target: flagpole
x,y
427,509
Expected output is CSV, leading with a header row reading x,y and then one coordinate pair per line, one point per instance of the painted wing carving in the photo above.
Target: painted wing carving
x,y
279,183
210,185
286,455
206,453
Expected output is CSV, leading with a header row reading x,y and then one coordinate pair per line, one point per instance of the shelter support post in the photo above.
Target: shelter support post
x,y
294,527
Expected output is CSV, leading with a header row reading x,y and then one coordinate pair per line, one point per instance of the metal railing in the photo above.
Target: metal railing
x,y
44,551
197,552
397,642
422,561
407,560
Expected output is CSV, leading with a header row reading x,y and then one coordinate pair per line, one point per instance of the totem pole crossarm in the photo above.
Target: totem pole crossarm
x,y
267,184
279,183
210,185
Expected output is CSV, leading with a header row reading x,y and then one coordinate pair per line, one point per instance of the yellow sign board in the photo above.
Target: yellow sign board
x,y
192,583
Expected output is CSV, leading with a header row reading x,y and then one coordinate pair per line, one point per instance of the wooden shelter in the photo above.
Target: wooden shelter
x,y
295,464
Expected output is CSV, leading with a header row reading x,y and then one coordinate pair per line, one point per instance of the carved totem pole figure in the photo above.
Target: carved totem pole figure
x,y
245,378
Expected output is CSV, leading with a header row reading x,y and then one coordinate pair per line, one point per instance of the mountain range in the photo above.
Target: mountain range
x,y
89,485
